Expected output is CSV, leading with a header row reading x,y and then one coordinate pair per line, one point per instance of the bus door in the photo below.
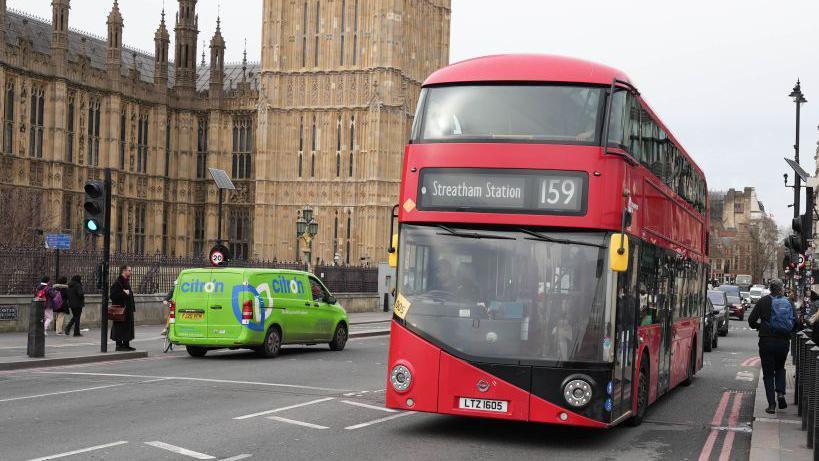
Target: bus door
x,y
627,296
666,298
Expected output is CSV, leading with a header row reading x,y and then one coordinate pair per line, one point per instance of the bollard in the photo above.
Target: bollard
x,y
386,302
36,332
800,347
807,380
795,354
810,396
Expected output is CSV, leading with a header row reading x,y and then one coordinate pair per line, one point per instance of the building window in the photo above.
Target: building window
x,y
313,148
338,147
352,143
69,130
202,148
165,230
239,233
94,132
122,140
304,38
168,147
343,30
335,236
35,146
139,229
316,34
738,208
120,226
355,33
301,145
68,210
349,227
199,232
142,145
8,126
242,147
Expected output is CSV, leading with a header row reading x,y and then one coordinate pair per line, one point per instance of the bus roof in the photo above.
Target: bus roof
x,y
526,68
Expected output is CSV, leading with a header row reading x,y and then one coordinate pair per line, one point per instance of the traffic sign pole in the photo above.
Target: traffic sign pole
x,y
106,259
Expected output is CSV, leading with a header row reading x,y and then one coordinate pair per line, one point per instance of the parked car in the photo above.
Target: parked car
x,y
720,301
711,338
736,307
756,292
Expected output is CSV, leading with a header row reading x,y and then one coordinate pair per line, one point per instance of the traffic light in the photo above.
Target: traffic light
x,y
94,207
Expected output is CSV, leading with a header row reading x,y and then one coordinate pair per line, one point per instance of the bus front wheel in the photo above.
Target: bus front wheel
x,y
642,397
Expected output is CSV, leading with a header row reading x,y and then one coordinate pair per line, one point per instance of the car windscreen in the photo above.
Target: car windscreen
x,y
511,113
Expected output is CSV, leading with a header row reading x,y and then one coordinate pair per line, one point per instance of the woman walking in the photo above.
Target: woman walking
x,y
121,294
45,293
76,300
62,309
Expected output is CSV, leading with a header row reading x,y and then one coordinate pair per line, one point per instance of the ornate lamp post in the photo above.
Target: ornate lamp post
x,y
798,99
306,231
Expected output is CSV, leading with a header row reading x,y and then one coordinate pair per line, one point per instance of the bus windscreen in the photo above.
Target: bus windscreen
x,y
506,294
511,113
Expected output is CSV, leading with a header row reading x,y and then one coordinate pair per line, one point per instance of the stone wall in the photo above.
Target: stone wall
x,y
149,309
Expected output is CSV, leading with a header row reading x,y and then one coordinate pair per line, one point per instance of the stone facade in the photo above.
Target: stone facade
x,y
322,122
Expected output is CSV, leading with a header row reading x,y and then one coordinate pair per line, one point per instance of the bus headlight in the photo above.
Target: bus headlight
x,y
401,378
577,392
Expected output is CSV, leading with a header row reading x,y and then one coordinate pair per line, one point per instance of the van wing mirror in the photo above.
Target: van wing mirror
x,y
330,299
618,252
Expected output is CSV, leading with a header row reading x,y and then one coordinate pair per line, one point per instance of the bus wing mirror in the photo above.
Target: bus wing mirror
x,y
393,251
618,252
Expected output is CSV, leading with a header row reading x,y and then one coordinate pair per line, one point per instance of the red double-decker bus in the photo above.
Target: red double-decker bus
x,y
543,274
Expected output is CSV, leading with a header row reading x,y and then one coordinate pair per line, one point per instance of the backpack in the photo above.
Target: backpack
x,y
54,299
782,320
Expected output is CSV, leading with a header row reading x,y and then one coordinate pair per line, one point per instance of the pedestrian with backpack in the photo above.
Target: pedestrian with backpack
x,y
61,309
774,316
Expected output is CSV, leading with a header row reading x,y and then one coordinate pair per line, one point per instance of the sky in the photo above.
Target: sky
x,y
717,72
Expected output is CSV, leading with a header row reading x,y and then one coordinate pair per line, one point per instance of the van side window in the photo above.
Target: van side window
x,y
319,293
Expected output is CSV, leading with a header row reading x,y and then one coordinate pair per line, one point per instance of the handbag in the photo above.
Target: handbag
x,y
116,313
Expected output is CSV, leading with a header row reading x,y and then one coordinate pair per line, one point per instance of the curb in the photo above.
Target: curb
x,y
42,363
368,334
369,322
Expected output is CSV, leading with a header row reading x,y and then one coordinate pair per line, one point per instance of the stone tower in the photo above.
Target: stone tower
x,y
338,88
187,33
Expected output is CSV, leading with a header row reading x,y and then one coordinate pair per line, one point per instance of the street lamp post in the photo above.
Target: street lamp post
x,y
306,230
798,99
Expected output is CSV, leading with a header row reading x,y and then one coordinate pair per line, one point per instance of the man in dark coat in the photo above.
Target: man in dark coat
x,y
76,300
121,294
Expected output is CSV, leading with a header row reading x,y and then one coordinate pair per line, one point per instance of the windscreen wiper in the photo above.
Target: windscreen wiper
x,y
545,238
472,235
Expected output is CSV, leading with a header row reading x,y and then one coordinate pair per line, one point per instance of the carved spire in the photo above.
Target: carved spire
x,y
244,64
162,40
187,33
115,25
217,61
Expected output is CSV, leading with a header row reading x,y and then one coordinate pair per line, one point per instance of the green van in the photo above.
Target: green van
x,y
258,309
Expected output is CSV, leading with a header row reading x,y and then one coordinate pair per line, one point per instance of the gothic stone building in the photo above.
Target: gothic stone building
x,y
321,122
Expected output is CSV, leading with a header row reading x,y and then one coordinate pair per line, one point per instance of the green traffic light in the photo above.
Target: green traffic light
x,y
92,226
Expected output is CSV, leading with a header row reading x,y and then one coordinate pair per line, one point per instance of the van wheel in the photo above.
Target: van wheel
x,y
339,338
642,398
272,343
196,351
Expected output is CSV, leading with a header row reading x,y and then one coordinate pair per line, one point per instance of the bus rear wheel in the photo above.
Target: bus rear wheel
x,y
196,351
692,364
642,398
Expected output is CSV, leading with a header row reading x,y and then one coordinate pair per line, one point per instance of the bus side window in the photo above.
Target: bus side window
x,y
648,285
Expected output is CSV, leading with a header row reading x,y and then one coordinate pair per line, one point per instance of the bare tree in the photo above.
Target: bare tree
x,y
763,239
20,215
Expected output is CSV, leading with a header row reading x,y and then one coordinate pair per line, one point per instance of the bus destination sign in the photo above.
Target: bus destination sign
x,y
503,191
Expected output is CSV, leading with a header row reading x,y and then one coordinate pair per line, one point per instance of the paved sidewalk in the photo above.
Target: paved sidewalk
x,y
780,436
68,350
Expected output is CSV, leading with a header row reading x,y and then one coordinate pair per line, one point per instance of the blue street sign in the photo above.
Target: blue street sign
x,y
58,241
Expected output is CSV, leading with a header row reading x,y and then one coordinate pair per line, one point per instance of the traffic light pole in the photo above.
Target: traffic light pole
x,y
106,259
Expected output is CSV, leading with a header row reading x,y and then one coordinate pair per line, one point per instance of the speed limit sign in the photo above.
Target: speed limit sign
x,y
219,255
801,264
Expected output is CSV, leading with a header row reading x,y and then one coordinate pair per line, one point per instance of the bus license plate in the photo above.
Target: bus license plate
x,y
466,403
192,316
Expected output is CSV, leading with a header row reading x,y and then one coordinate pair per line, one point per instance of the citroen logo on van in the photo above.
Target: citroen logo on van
x,y
483,386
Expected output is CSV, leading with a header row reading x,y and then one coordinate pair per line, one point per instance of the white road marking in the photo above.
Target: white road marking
x,y
297,423
62,392
83,450
364,405
276,410
236,458
380,420
745,376
203,380
179,450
